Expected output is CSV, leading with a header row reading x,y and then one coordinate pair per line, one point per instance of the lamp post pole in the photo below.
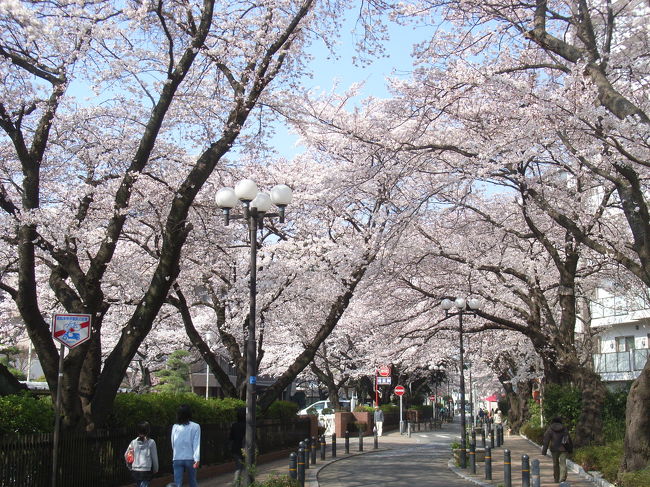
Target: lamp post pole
x,y
251,346
463,431
461,306
256,206
209,337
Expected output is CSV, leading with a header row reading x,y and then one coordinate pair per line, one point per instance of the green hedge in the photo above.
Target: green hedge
x,y
282,410
532,432
160,409
606,459
23,414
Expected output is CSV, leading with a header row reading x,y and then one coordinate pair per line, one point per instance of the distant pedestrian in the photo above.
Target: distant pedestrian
x,y
236,440
558,439
143,455
498,417
186,446
379,421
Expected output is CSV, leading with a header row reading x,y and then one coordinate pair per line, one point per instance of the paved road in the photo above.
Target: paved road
x,y
417,461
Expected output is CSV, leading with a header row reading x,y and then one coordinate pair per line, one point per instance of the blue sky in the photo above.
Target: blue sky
x,y
342,72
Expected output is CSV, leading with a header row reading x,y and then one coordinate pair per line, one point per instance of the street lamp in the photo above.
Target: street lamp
x,y
256,208
437,371
209,338
463,306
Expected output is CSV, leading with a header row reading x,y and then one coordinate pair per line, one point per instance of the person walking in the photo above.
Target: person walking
x,y
236,440
557,438
143,456
379,421
186,446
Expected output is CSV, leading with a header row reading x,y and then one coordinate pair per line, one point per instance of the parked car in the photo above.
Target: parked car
x,y
318,406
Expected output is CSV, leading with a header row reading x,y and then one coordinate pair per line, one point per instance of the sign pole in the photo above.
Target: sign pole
x,y
376,387
71,330
57,418
401,417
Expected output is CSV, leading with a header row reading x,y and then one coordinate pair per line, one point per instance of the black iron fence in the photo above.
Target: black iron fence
x,y
97,458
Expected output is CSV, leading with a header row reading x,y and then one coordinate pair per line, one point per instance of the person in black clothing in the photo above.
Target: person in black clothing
x,y
236,440
558,438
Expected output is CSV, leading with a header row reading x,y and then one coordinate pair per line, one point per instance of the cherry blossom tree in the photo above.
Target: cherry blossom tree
x,y
114,118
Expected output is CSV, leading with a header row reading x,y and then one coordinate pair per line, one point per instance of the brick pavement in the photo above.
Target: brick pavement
x,y
519,446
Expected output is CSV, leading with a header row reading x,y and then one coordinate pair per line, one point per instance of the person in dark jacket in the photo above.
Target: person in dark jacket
x,y
236,440
558,439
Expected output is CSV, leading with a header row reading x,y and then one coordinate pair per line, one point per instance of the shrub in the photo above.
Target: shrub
x,y
277,481
160,409
606,459
640,478
614,415
282,410
23,413
564,401
364,409
532,432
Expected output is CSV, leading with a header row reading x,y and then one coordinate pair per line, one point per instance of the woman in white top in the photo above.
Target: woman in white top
x,y
145,456
186,445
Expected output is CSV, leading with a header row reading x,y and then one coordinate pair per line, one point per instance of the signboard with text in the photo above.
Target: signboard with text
x,y
71,329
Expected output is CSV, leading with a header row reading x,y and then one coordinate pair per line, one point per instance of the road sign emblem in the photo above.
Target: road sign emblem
x,y
399,390
384,371
71,329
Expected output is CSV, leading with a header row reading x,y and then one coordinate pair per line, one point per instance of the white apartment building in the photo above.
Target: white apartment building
x,y
623,327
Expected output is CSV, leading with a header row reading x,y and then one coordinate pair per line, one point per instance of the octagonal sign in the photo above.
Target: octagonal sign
x,y
71,329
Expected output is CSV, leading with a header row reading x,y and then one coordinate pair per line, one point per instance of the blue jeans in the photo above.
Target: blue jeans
x,y
181,466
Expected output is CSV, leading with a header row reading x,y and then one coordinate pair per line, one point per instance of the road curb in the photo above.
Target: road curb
x,y
311,476
452,466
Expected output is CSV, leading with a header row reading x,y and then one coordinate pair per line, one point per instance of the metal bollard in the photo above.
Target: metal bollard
x,y
483,437
323,446
293,466
360,440
314,447
333,445
376,439
525,471
301,466
491,437
347,441
535,474
488,463
499,435
306,445
472,454
408,429
507,469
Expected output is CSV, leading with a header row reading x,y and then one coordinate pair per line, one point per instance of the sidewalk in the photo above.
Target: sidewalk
x,y
519,446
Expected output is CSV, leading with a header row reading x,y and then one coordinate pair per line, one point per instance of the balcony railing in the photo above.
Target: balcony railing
x,y
630,361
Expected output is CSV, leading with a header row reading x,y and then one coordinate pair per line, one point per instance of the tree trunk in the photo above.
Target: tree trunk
x,y
518,413
589,428
8,383
637,424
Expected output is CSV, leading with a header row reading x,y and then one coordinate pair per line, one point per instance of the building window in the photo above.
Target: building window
x,y
624,344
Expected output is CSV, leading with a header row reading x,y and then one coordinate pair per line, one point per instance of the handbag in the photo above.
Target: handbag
x,y
129,457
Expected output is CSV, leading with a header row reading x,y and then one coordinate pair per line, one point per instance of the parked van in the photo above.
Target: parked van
x,y
318,406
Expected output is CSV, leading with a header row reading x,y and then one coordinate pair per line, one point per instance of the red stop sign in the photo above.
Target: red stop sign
x,y
399,390
384,371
